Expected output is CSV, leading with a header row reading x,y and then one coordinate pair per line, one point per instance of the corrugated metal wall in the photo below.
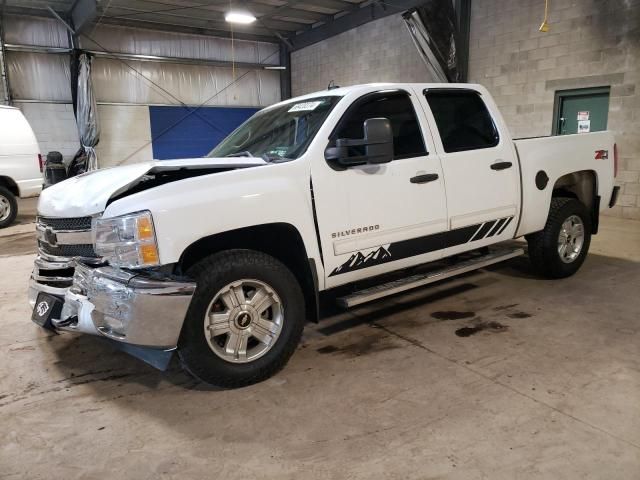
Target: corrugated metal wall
x,y
41,81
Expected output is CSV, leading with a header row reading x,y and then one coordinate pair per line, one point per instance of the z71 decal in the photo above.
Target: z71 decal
x,y
422,245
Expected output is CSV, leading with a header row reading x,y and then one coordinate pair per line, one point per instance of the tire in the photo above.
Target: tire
x,y
8,207
544,246
219,278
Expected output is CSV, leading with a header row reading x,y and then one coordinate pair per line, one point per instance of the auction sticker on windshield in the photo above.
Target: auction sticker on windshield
x,y
305,106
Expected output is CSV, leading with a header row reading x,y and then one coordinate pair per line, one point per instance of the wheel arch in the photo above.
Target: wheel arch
x,y
10,184
282,241
583,186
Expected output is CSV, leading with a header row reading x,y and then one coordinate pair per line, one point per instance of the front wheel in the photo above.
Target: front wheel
x,y
8,207
245,319
559,250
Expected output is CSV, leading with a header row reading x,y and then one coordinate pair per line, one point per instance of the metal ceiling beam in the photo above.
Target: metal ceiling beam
x,y
157,6
9,47
293,10
161,27
215,19
337,5
83,13
195,22
181,28
353,19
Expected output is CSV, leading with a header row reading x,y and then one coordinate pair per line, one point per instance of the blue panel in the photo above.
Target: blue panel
x,y
177,133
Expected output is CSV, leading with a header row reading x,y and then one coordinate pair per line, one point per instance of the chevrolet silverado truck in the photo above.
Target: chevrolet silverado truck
x,y
361,191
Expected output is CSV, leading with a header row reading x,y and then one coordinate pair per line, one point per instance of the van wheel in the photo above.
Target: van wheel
x,y
8,207
245,319
559,250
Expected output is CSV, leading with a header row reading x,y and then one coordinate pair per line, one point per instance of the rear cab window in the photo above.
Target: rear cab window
x,y
463,120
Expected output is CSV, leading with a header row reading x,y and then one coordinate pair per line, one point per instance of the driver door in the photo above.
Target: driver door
x,y
376,218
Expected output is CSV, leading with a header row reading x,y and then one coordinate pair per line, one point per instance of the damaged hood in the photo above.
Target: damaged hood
x,y
89,193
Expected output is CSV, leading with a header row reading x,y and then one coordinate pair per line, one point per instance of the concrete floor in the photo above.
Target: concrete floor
x,y
548,387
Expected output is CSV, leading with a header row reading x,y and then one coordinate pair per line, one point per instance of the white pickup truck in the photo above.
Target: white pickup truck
x,y
224,258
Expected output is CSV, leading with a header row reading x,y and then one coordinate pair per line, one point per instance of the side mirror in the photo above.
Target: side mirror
x,y
376,147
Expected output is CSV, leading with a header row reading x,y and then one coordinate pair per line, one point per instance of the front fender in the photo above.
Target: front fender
x,y
188,210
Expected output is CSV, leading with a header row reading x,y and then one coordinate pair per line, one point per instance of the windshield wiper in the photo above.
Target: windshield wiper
x,y
245,153
273,158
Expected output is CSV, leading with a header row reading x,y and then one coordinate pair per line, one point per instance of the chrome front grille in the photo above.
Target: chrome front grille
x,y
65,237
66,224
60,240
84,250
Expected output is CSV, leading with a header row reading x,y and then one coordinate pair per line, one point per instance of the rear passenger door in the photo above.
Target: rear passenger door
x,y
481,171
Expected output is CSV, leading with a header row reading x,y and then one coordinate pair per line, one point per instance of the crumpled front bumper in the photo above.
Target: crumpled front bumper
x,y
128,307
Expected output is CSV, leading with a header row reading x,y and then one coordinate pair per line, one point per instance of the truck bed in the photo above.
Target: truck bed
x,y
554,157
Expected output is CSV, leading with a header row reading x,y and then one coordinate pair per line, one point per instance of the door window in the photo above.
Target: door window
x,y
463,120
395,106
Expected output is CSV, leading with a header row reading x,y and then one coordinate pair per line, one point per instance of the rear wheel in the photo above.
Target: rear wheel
x,y
559,250
8,207
245,320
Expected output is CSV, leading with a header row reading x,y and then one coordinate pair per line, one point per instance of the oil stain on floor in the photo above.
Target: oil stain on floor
x,y
494,327
364,346
452,315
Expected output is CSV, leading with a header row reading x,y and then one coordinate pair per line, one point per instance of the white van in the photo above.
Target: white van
x,y
20,163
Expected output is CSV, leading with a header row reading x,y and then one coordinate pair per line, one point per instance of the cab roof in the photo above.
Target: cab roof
x,y
372,87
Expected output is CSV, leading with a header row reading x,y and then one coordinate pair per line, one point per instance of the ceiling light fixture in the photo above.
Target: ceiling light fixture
x,y
240,17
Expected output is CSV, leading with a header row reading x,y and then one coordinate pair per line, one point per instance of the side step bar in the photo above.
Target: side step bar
x,y
415,281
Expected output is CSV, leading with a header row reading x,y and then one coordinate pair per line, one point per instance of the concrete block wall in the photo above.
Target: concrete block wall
x,y
591,43
378,51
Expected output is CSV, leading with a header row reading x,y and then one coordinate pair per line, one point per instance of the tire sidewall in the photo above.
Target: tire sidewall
x,y
193,346
572,207
13,204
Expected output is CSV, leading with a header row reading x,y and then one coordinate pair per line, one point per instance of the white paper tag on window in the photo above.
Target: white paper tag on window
x,y
304,106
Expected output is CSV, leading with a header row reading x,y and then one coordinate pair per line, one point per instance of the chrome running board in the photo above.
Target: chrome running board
x,y
419,280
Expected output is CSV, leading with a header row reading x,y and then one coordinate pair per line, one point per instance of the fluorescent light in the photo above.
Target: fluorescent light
x,y
275,67
239,17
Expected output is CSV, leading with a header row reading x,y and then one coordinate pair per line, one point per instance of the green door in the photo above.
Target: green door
x,y
581,111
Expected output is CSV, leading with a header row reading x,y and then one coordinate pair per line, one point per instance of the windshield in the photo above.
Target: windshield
x,y
278,134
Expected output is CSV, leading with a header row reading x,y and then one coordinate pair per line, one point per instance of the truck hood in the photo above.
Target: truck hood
x,y
90,193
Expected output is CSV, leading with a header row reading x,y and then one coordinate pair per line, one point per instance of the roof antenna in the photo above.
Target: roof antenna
x,y
332,85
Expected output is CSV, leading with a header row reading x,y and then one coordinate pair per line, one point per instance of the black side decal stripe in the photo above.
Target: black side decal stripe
x,y
476,234
406,249
484,230
420,245
505,225
496,227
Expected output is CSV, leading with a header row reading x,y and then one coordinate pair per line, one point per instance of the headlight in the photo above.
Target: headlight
x,y
127,241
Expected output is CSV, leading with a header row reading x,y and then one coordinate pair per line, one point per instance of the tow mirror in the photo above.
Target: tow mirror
x,y
376,147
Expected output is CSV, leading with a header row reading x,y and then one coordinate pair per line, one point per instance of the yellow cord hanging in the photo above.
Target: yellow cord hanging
x,y
545,26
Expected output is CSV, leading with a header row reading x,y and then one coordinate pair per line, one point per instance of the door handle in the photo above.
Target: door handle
x,y
501,165
424,178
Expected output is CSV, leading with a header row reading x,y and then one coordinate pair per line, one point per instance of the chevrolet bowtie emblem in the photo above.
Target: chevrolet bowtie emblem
x,y
50,237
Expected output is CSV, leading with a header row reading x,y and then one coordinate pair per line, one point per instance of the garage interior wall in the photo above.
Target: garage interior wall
x,y
591,43
378,51
40,83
